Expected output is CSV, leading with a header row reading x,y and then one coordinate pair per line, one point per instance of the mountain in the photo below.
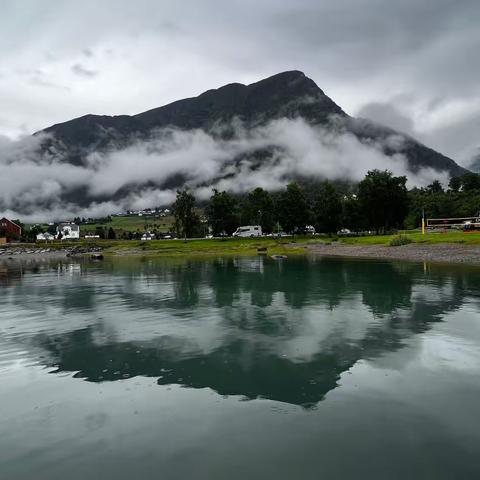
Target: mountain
x,y
285,95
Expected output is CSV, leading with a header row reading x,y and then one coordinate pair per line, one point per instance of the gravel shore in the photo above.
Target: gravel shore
x,y
12,252
435,253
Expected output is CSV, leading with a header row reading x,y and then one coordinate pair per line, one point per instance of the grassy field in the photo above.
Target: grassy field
x,y
229,246
132,224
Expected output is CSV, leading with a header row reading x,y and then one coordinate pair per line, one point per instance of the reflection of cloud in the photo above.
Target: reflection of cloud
x,y
199,324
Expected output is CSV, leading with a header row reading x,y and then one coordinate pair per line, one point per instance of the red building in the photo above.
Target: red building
x,y
9,229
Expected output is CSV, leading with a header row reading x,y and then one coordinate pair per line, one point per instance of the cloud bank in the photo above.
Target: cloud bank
x,y
61,60
40,187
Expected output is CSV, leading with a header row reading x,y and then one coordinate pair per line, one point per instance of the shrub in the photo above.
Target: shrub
x,y
400,240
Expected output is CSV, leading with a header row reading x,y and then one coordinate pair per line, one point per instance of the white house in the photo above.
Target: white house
x,y
45,237
69,231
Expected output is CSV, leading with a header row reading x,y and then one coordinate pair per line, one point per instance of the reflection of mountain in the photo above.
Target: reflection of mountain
x,y
250,327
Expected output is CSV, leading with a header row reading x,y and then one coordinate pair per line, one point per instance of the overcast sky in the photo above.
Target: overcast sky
x,y
412,64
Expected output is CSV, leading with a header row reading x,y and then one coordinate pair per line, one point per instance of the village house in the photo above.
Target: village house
x,y
68,231
9,230
45,237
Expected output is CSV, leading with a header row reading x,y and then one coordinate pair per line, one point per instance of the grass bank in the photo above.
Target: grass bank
x,y
250,246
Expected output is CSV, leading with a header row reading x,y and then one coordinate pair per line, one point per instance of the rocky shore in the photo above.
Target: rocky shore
x,y
23,251
432,253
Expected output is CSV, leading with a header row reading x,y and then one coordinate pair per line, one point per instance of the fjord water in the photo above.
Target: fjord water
x,y
239,368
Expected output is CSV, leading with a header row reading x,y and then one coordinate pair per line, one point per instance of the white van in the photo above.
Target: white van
x,y
248,231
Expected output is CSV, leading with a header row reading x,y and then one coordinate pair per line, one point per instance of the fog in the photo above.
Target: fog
x,y
35,186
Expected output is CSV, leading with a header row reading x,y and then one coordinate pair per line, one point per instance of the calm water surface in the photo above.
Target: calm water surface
x,y
244,368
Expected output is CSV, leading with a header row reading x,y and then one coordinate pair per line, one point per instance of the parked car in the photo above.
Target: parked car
x,y
248,231
147,236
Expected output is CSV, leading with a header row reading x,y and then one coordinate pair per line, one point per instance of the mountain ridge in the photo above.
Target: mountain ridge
x,y
289,94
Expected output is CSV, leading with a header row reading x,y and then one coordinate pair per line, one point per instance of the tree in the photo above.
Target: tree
x,y
186,220
222,213
470,181
328,209
258,209
353,215
100,231
111,235
455,184
293,209
384,199
435,187
31,233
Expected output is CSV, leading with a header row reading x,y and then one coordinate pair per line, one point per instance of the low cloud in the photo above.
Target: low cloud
x,y
36,186
79,69
450,127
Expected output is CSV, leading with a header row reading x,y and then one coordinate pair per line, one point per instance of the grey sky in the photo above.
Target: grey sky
x,y
413,64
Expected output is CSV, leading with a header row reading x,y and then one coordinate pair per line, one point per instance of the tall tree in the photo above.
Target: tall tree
x,y
435,187
186,220
384,199
470,181
258,209
455,184
222,213
293,209
328,209
353,216
111,234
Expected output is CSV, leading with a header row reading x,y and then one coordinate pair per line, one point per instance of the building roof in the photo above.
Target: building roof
x,y
4,219
7,220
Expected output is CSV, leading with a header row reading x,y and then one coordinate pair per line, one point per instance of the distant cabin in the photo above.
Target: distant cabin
x,y
9,229
45,237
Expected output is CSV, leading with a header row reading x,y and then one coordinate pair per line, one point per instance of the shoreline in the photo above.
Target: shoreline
x,y
445,253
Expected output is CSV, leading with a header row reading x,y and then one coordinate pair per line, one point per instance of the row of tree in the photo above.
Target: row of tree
x,y
380,202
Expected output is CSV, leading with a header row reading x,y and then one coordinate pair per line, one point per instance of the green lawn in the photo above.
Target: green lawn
x,y
227,246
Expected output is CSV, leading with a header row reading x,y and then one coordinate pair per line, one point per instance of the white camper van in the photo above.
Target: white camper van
x,y
248,231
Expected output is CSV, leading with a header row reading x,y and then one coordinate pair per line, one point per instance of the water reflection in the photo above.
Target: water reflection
x,y
253,327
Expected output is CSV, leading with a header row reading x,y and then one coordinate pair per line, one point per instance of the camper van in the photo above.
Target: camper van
x,y
248,231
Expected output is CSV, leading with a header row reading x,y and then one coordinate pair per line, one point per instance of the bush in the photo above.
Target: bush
x,y
400,240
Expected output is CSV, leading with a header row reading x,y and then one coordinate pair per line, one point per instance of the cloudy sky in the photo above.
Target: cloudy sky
x,y
412,64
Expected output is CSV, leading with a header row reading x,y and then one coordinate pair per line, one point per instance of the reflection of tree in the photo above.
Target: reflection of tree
x,y
186,280
224,278
261,306
10,274
384,288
